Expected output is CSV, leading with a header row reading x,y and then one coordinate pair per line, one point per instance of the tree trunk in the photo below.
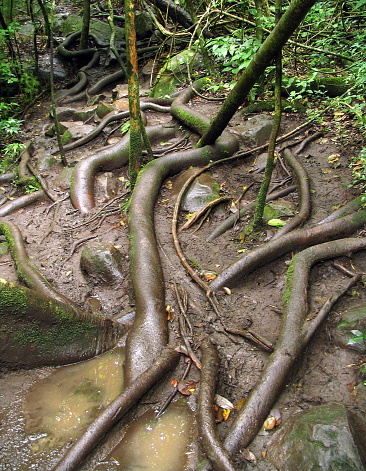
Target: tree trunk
x,y
133,92
85,26
290,20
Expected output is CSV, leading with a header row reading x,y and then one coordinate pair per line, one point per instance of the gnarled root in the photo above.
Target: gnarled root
x,y
107,158
294,336
206,419
149,333
295,240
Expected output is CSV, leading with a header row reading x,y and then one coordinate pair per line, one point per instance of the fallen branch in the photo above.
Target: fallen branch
x,y
294,336
230,222
116,410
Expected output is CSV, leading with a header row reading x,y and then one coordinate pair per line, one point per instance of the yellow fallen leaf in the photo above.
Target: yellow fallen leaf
x,y
269,423
333,158
226,413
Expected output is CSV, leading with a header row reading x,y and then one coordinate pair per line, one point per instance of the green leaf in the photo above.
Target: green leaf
x,y
276,222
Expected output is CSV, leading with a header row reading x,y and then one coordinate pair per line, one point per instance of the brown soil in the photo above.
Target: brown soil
x,y
324,373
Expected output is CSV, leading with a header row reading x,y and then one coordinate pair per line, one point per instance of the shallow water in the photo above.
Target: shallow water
x,y
36,424
152,444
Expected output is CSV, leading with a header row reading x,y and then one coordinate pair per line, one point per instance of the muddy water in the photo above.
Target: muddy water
x,y
36,423
152,444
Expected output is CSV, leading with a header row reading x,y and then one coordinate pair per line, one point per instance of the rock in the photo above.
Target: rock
x,y
102,262
327,438
60,72
107,185
45,161
354,319
256,130
175,72
62,180
201,191
75,130
104,108
68,113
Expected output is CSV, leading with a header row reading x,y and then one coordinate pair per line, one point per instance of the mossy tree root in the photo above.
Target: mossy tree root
x,y
37,330
167,361
149,333
296,240
107,158
206,415
27,272
295,334
63,50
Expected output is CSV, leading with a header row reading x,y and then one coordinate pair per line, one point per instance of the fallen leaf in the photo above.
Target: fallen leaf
x,y
333,158
224,403
170,312
240,403
227,290
276,222
226,413
269,423
249,456
187,387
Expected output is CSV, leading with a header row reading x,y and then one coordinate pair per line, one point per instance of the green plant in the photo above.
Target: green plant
x,y
11,153
358,337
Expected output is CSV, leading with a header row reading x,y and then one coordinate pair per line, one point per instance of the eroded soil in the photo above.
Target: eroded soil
x,y
324,374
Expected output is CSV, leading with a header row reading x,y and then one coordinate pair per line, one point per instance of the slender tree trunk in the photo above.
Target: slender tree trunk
x,y
85,26
290,20
262,195
133,92
46,20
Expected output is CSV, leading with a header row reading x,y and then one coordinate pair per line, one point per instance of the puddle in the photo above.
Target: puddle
x,y
152,444
61,406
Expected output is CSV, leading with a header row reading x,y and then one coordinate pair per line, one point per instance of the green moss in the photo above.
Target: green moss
x,y
192,121
287,293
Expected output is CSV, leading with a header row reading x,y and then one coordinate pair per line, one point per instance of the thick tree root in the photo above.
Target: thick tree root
x,y
37,330
294,336
63,50
27,272
206,416
21,202
116,410
110,118
107,158
149,333
295,240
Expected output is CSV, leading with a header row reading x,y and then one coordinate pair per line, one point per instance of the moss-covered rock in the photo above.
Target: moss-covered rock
x,y
352,320
102,262
175,72
327,438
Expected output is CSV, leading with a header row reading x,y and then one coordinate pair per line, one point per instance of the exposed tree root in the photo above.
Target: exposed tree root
x,y
294,336
295,240
304,194
37,330
117,409
110,118
21,202
206,415
107,158
149,333
230,222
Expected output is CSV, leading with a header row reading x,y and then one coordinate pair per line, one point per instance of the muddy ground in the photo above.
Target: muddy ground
x,y
324,374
